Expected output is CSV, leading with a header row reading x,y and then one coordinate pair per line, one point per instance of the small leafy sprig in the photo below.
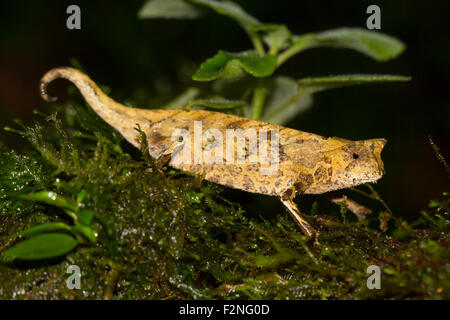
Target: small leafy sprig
x,y
64,160
54,239
278,99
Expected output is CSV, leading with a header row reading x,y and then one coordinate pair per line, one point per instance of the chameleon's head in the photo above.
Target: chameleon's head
x,y
351,164
359,162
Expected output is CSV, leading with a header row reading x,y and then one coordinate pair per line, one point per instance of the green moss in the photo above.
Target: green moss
x,y
175,237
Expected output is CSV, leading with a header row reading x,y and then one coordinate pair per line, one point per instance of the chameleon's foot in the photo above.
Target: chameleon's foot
x,y
307,229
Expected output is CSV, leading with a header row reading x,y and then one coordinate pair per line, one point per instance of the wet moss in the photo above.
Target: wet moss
x,y
173,236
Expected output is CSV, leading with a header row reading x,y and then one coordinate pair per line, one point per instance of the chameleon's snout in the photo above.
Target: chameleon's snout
x,y
378,145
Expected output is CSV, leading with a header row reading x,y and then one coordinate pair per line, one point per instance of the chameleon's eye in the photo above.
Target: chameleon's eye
x,y
355,156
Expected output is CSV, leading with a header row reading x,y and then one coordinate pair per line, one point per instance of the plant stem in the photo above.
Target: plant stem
x,y
292,99
439,155
259,97
287,54
257,43
110,285
301,44
373,195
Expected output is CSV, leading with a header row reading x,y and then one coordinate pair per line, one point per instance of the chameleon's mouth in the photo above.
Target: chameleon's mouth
x,y
372,179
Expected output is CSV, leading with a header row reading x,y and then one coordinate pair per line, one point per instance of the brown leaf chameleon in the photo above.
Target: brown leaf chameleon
x,y
307,163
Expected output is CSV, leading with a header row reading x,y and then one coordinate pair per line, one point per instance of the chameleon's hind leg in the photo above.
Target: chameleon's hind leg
x,y
288,201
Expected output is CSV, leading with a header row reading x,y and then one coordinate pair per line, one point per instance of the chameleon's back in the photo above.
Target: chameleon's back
x,y
226,149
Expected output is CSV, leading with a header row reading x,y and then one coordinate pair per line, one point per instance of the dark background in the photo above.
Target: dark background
x,y
151,61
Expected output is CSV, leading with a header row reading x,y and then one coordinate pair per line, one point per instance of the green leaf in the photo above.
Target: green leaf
x,y
85,216
276,36
232,65
216,104
86,232
390,271
230,9
169,9
376,45
80,196
43,246
288,97
312,85
45,227
52,198
285,101
194,197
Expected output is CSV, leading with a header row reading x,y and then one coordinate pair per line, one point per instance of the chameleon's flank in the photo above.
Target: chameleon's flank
x,y
308,163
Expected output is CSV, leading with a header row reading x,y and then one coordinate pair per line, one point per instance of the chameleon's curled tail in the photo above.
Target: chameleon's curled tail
x,y
82,81
120,117
114,113
97,99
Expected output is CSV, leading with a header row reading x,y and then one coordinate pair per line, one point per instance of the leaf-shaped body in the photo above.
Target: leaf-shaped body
x,y
240,153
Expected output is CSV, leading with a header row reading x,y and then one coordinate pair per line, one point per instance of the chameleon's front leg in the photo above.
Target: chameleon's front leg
x,y
165,157
288,201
